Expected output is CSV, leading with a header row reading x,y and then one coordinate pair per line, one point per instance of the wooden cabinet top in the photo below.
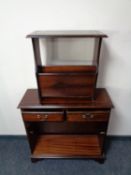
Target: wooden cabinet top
x,y
31,101
66,33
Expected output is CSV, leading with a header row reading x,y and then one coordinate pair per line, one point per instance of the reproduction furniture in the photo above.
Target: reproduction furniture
x,y
67,80
67,116
62,130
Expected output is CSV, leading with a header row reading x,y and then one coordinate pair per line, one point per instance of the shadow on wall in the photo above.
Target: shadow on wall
x,y
114,75
103,80
115,62
105,58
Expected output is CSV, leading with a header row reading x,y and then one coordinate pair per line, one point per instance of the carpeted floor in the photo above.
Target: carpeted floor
x,y
14,160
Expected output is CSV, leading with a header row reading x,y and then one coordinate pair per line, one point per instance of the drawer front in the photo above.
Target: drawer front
x,y
66,85
87,116
43,116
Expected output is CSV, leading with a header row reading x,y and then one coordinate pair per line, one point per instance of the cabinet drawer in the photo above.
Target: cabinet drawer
x,y
87,116
43,116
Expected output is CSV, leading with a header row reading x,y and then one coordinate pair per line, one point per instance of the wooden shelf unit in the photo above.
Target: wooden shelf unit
x,y
67,146
69,80
67,116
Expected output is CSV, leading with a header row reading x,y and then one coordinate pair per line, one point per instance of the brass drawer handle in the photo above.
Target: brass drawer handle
x,y
87,115
91,116
102,132
42,117
84,116
38,116
46,116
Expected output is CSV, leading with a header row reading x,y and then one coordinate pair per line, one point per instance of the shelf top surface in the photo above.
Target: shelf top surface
x,y
31,100
66,33
67,146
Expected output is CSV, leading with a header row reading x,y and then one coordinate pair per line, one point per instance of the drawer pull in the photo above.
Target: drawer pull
x,y
102,132
43,116
46,116
84,116
91,116
38,116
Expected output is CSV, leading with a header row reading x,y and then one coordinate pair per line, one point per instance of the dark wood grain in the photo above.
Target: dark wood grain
x,y
69,69
67,146
31,100
62,85
67,33
84,116
66,134
67,117
66,85
43,116
66,127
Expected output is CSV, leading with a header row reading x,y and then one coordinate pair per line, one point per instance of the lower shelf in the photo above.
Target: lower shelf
x,y
67,146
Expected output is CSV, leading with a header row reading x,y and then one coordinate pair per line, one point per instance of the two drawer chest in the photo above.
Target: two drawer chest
x,y
67,130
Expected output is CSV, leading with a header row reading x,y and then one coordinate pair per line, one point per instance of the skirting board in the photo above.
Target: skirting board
x,y
108,136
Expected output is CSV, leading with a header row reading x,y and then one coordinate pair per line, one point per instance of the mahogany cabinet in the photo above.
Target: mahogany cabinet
x,y
67,116
66,130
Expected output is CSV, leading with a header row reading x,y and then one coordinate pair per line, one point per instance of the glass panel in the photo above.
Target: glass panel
x,y
67,51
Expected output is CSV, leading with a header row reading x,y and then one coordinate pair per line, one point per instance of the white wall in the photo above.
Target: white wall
x,y
18,18
61,51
